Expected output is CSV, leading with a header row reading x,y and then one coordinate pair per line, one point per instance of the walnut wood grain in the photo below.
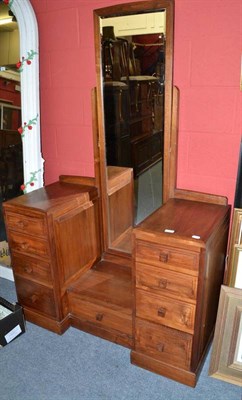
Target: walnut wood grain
x,y
165,262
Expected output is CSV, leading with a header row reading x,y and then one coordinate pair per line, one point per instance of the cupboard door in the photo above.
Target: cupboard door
x,y
77,240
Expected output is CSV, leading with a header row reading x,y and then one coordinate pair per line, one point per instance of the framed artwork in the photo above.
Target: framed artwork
x,y
234,266
226,356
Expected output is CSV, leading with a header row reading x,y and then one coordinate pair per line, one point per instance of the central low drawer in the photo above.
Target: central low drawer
x,y
169,312
27,224
163,343
100,315
167,257
29,245
168,283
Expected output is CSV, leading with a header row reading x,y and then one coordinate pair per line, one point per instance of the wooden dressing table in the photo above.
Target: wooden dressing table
x,y
78,261
161,303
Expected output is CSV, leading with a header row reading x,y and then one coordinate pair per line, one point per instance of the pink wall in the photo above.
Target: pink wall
x,y
206,70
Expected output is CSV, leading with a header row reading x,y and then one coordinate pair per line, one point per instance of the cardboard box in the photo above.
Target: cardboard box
x,y
12,323
4,254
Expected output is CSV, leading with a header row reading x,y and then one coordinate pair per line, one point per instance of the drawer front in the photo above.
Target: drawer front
x,y
169,312
165,282
100,315
167,257
31,268
30,225
36,297
28,245
165,344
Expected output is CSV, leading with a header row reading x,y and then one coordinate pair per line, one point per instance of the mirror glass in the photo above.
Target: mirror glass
x,y
134,65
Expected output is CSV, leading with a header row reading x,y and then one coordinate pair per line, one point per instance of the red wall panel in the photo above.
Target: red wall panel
x,y
206,70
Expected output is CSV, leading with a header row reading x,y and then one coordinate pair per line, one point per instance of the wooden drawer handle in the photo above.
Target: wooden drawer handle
x,y
21,224
20,246
34,298
99,317
161,312
28,269
186,318
163,283
163,257
24,246
161,347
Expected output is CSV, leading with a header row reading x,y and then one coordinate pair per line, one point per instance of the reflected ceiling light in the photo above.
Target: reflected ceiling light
x,y
5,21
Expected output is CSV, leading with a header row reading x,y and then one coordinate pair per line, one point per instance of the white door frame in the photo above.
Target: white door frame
x,y
29,58
30,110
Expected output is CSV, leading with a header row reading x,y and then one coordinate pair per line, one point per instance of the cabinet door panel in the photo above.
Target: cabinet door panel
x,y
77,240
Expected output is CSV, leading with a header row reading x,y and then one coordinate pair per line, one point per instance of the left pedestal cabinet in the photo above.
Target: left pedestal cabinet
x,y
53,235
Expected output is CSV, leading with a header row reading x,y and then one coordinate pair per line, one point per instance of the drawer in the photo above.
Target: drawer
x,y
167,257
28,245
165,311
36,297
167,283
165,344
29,224
31,268
100,315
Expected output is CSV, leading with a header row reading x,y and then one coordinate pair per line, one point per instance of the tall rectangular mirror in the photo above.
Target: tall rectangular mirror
x,y
134,50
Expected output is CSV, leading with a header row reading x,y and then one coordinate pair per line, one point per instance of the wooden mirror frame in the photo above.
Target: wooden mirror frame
x,y
169,157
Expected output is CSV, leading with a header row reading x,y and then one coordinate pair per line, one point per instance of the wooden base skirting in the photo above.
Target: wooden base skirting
x,y
45,322
169,371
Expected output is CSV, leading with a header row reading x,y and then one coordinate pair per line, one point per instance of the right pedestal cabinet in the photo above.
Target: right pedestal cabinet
x,y
179,257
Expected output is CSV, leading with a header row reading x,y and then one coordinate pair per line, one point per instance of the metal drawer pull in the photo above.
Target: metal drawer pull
x,y
163,283
160,347
99,317
163,257
161,312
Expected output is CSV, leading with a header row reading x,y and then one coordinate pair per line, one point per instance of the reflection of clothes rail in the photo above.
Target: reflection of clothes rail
x,y
148,44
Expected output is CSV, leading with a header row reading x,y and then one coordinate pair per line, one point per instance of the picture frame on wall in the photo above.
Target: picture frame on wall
x,y
226,356
234,265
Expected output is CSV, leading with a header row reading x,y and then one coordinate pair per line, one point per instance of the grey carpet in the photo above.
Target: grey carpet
x,y
40,365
